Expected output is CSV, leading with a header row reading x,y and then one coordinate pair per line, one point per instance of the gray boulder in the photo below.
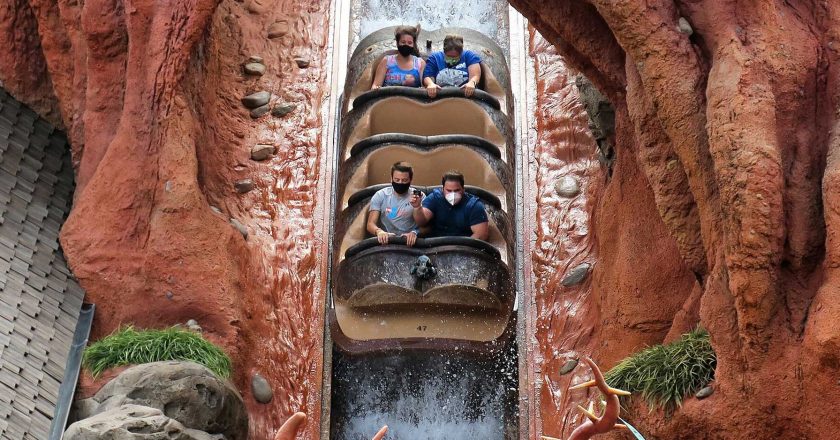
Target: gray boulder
x,y
185,391
576,275
134,422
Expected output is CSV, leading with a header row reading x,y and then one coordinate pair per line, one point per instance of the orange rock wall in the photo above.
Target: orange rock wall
x,y
726,130
608,315
149,93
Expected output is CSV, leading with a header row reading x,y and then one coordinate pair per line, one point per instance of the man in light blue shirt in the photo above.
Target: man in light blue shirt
x,y
392,207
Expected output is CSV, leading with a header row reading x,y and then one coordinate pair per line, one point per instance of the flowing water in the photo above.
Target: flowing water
x,y
425,396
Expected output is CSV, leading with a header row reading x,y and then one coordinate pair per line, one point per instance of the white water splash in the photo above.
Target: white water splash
x,y
428,399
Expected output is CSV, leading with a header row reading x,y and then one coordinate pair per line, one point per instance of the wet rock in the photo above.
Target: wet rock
x,y
169,295
255,100
185,391
244,186
282,110
568,366
262,151
567,187
254,69
302,62
255,59
239,227
259,111
576,275
261,389
704,392
684,26
134,422
278,29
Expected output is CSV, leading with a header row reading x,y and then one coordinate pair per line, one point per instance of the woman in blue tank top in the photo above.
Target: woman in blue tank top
x,y
404,68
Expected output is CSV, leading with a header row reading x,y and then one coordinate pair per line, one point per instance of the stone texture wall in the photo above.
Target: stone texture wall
x,y
173,217
722,196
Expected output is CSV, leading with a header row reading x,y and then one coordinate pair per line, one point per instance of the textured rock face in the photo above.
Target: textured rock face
x,y
726,129
184,391
149,93
134,422
606,312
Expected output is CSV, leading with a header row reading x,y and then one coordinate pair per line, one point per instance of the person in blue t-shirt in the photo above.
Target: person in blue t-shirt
x,y
404,68
452,67
454,213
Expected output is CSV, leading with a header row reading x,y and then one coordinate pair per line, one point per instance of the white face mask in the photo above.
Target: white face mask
x,y
453,198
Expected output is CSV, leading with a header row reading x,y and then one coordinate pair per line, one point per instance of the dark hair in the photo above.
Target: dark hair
x,y
413,31
453,42
452,176
403,167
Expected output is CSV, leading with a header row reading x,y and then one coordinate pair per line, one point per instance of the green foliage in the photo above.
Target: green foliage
x,y
128,346
664,374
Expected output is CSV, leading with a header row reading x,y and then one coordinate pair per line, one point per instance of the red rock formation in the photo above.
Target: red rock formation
x,y
608,315
149,93
729,134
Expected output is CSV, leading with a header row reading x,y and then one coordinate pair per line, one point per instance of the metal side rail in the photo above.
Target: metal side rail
x,y
71,372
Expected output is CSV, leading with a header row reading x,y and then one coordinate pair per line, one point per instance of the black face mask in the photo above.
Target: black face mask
x,y
405,50
400,188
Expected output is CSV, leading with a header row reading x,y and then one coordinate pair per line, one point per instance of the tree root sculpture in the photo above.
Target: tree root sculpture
x,y
607,421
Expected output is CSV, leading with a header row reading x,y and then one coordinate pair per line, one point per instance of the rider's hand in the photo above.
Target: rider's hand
x,y
469,88
414,201
410,238
432,90
382,236
374,87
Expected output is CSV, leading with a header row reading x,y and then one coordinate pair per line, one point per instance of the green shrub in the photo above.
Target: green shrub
x,y
664,374
128,346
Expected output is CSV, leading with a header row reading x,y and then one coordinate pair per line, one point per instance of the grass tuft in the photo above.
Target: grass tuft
x,y
664,374
128,346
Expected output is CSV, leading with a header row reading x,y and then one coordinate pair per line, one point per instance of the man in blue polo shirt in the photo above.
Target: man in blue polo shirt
x,y
454,212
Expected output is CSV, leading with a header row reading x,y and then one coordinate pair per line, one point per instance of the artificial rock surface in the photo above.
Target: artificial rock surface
x,y
149,94
720,209
134,422
184,391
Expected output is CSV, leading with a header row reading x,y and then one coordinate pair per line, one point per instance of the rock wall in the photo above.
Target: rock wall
x,y
721,197
172,217
608,314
